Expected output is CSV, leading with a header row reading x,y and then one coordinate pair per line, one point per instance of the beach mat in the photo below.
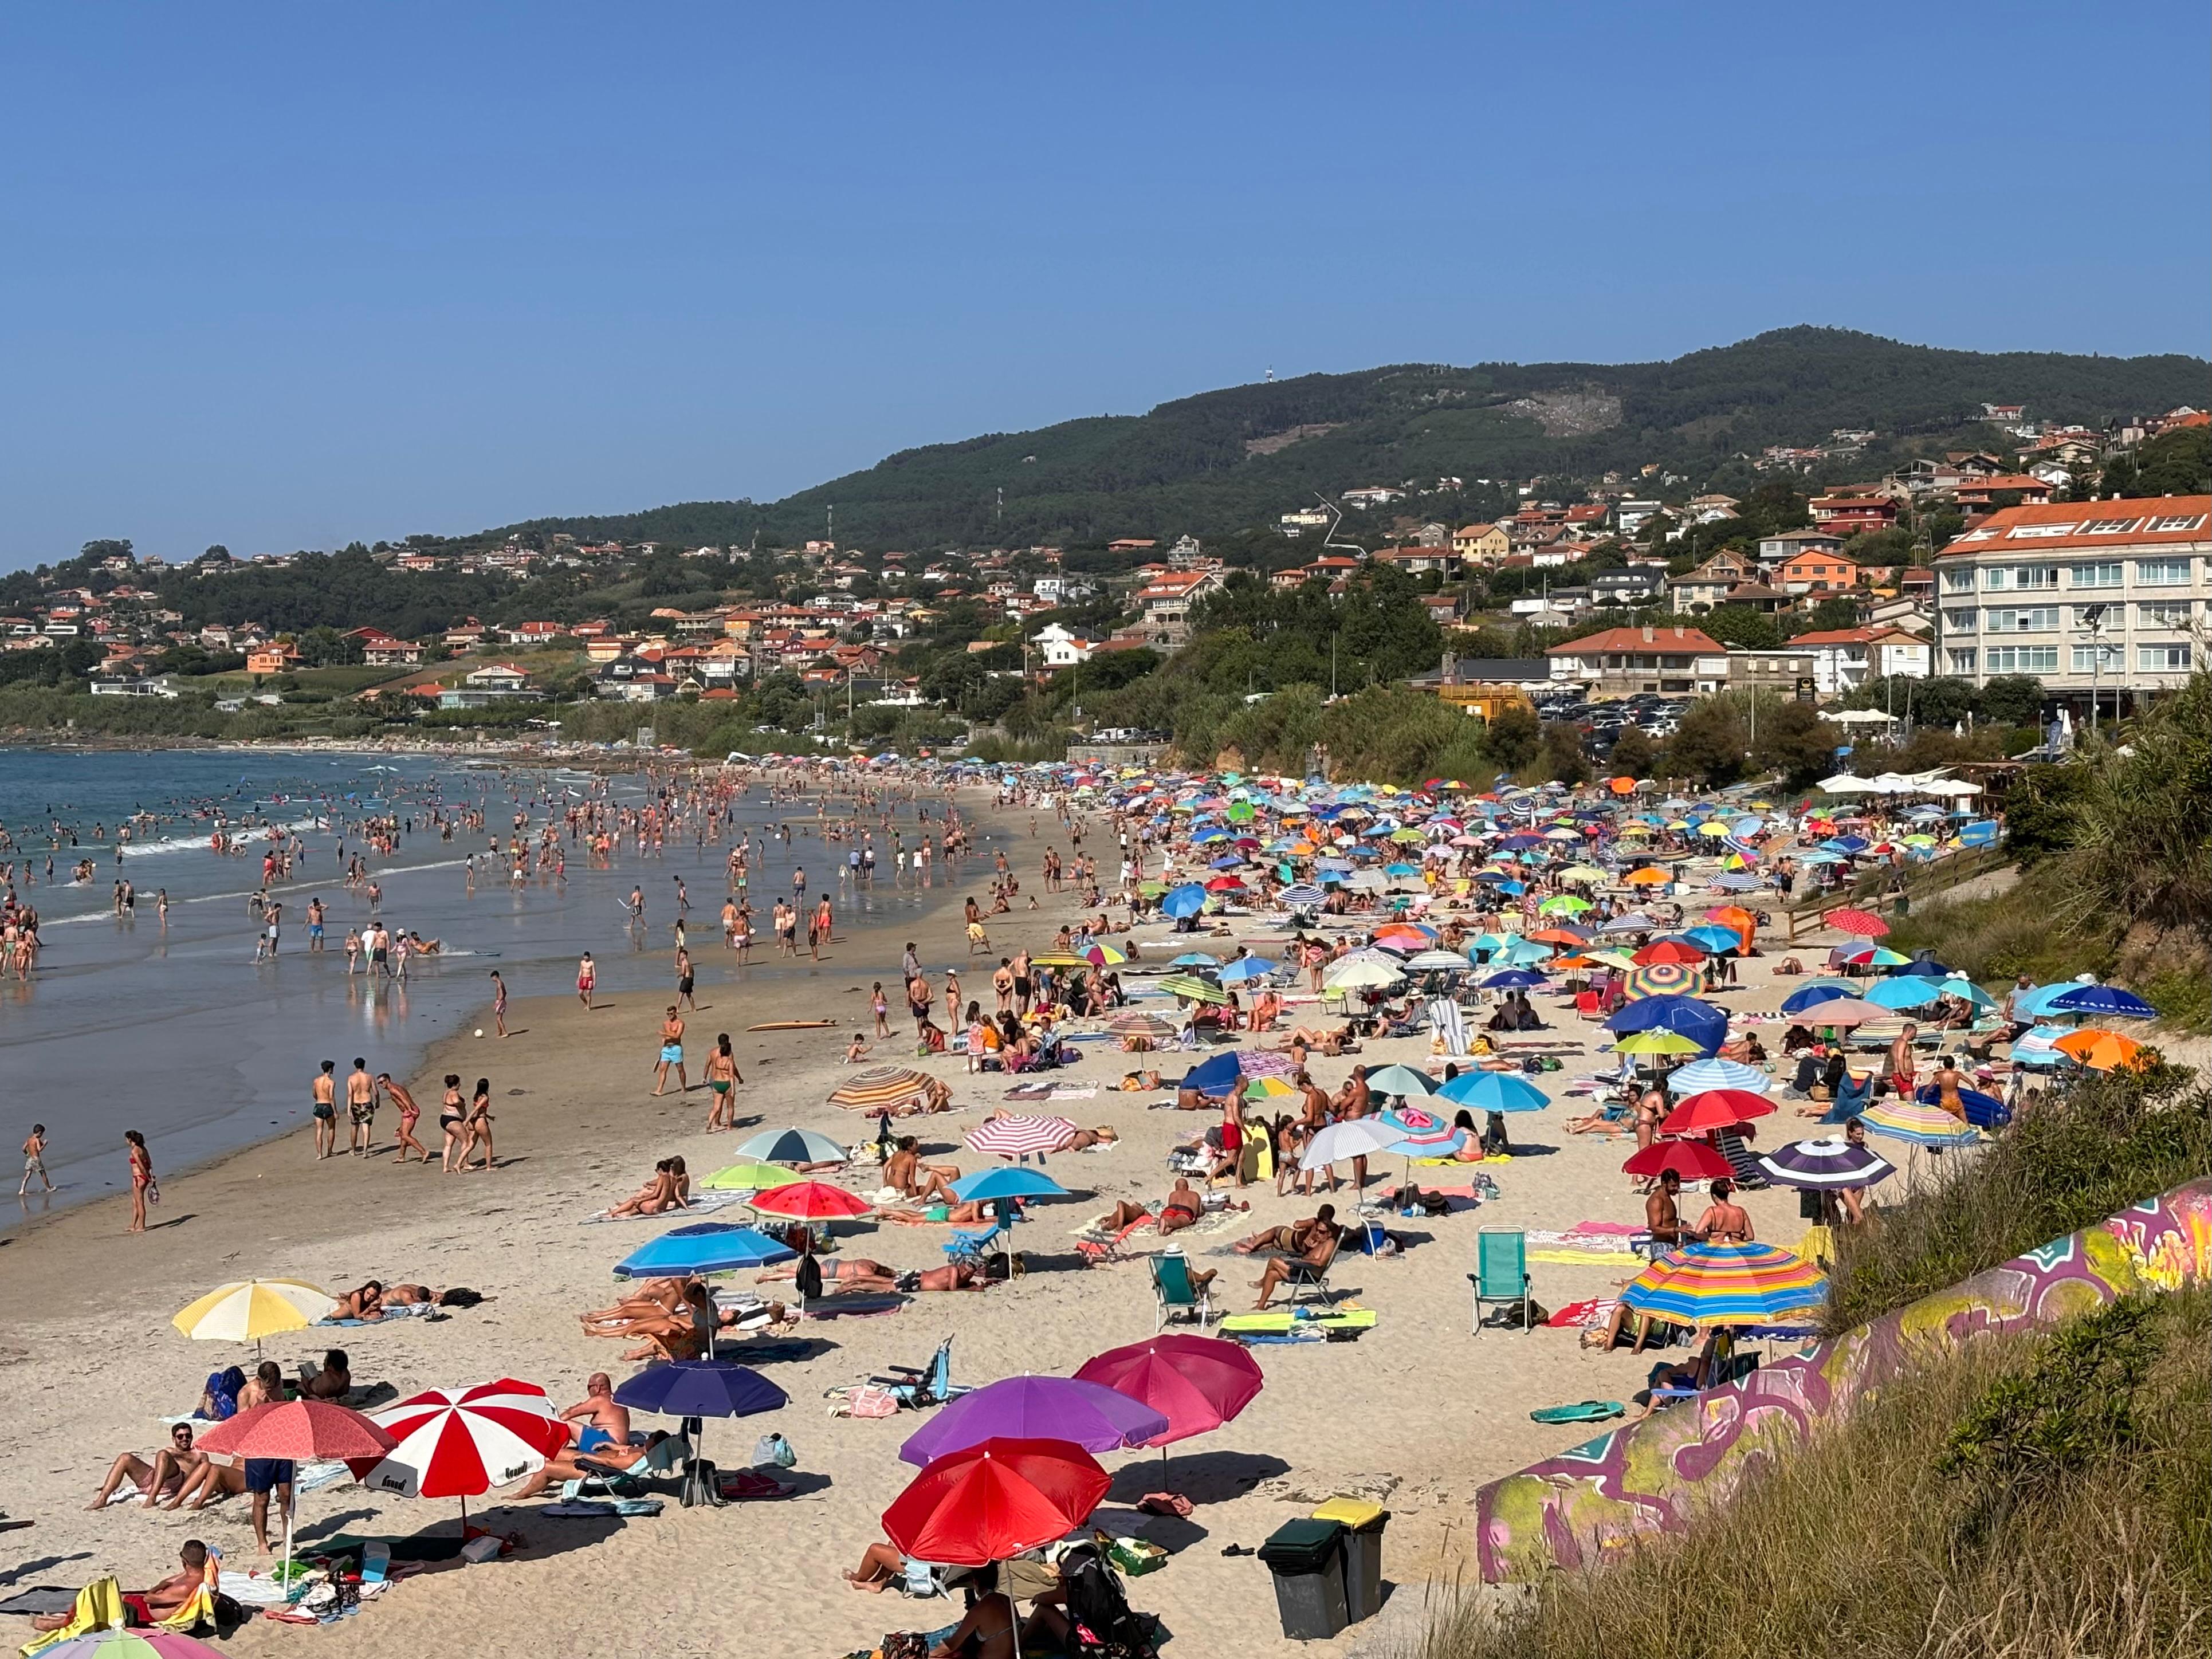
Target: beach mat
x,y
1343,1317
40,1598
836,1307
702,1204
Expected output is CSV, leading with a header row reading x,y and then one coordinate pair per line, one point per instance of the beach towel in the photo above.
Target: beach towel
x,y
99,1606
1594,1313
1346,1315
406,1310
702,1204
838,1307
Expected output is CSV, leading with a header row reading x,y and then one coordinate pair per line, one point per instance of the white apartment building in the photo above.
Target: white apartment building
x,y
2112,595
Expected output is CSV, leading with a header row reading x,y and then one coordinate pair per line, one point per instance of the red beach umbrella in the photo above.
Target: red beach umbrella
x,y
1667,950
459,1444
1860,924
1692,1160
811,1201
1196,1382
1715,1108
986,1501
299,1430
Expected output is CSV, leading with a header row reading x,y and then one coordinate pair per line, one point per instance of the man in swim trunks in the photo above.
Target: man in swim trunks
x,y
603,1422
158,1477
324,1096
671,1054
1181,1208
360,1109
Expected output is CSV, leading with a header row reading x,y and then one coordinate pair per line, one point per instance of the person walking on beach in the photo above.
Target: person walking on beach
x,y
722,1078
498,1003
142,1189
478,1126
361,1110
671,1054
452,1116
34,1159
410,1115
684,980
588,975
324,1093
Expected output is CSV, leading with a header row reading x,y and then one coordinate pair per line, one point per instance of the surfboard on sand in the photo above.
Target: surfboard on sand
x,y
793,1025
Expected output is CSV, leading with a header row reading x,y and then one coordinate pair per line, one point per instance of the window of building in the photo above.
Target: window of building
x,y
1962,659
2179,521
1959,582
2023,659
2163,613
2109,527
2097,659
2161,572
1960,622
2021,532
2032,619
2163,658
2095,575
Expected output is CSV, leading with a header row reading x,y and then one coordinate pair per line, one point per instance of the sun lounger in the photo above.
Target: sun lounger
x,y
1173,1293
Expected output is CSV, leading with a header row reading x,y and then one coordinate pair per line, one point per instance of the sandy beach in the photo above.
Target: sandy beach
x,y
1418,1413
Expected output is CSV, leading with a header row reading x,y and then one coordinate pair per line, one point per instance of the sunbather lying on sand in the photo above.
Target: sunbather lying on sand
x,y
846,1272
562,1466
1304,1038
1292,1240
968,1209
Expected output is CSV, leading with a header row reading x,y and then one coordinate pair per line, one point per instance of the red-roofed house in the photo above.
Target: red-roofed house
x,y
1166,602
1679,661
1845,658
1812,569
1849,514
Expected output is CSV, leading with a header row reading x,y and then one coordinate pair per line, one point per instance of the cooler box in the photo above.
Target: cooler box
x,y
1307,1558
1363,1524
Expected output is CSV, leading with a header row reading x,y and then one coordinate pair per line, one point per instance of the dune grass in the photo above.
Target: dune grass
x,y
2037,1496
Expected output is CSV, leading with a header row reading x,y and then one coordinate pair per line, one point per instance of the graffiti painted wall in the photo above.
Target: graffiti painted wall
x,y
1643,1476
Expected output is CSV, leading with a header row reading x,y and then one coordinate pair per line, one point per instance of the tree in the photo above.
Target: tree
x,y
1842,611
1710,742
1632,754
1741,626
1795,741
2176,462
1513,738
1562,757
2010,700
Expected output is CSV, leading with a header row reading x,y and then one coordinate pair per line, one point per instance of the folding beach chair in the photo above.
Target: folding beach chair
x,y
1312,1277
1501,1272
1173,1293
963,1247
601,1480
918,1388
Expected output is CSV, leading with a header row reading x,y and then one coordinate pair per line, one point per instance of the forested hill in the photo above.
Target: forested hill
x,y
1234,458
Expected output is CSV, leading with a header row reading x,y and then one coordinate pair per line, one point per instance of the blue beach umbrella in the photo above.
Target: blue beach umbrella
x,y
707,1247
1700,1075
1513,979
1701,1022
1185,901
1493,1091
1246,968
1903,990
792,1146
2106,1001
1799,1002
1008,1181
1215,1075
1715,941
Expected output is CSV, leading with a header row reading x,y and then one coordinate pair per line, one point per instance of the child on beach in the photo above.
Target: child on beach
x,y
880,1005
34,1159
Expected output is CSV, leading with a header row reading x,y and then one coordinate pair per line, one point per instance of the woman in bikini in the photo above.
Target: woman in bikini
x,y
450,1118
141,1178
478,1126
657,1195
722,1078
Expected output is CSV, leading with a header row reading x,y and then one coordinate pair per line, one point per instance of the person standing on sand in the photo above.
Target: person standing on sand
x,y
684,978
671,1054
34,1159
142,1189
361,1110
324,1094
410,1115
722,1078
498,1003
478,1126
587,975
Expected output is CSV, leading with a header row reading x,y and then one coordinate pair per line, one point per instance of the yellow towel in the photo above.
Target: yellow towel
x,y
200,1607
98,1606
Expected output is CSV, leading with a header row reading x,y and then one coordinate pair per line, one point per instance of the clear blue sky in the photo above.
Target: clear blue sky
x,y
283,275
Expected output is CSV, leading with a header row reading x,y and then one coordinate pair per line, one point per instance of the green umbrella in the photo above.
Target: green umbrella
x,y
1193,987
748,1178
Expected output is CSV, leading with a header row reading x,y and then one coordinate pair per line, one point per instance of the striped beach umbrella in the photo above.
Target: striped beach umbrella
x,y
791,1146
1191,988
250,1309
114,1643
1826,1164
1399,1080
1703,1285
1134,1023
881,1086
1717,1073
2104,1001
1922,1124
1662,979
1017,1135
461,1445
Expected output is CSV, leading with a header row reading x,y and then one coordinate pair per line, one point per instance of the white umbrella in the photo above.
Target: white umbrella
x,y
1358,1137
1354,975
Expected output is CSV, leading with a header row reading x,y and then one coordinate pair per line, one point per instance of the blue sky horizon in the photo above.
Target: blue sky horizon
x,y
286,277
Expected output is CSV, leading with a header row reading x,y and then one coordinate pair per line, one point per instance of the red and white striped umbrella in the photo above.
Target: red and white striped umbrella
x,y
462,1444
1014,1136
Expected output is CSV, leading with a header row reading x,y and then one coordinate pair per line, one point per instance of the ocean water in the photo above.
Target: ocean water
x,y
181,1034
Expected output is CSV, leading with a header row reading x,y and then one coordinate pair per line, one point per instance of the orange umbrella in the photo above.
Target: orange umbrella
x,y
1621,786
2102,1051
1558,936
1736,916
1648,876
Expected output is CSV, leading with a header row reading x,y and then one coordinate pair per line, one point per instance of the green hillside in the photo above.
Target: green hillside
x,y
1234,458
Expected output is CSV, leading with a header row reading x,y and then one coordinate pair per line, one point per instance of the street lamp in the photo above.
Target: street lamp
x,y
2093,618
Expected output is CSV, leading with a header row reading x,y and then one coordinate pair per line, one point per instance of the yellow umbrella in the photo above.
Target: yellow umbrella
x,y
1656,1042
1582,872
251,1308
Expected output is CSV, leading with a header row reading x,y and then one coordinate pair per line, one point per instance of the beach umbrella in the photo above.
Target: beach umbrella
x,y
1195,959
2035,1003
1131,1023
1846,1012
1692,1160
1702,1074
1805,1000
1191,988
1246,968
248,1309
1302,896
699,1388
1670,950
1703,1285
462,1444
1335,1143
2102,1051
1650,875
1197,1383
1984,1111
1216,1075
1514,978
1493,1091
1184,901
747,1178
1715,1108
809,1200
1867,954
1922,1124
876,1086
1090,1415
1399,1080
705,1246
2106,1002
1655,1041
299,1430
1713,940
1900,991
1568,905
1007,1181
1438,962
1660,979
1101,955
1012,1135
1703,1022
791,1146
1826,1164
1860,924
986,1501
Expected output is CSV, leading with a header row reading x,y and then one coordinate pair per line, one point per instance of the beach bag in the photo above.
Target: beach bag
x,y
905,1644
775,1449
806,1279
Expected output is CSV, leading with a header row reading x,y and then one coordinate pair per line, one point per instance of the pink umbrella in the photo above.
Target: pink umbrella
x,y
1015,1135
1196,1382
298,1430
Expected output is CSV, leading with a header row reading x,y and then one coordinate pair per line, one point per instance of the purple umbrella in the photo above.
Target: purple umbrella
x,y
1825,1163
1093,1416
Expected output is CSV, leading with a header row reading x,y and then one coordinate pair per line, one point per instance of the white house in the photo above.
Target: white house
x,y
1845,659
1062,646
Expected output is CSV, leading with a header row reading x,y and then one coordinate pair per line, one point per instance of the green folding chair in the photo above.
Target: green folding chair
x,y
1501,1272
1173,1293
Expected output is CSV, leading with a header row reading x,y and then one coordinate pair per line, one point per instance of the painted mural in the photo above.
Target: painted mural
x,y
1643,1477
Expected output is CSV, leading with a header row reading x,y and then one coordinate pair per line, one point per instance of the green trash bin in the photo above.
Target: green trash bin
x,y
1363,1524
1307,1559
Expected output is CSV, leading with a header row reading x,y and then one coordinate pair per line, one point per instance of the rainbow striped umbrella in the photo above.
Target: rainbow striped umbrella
x,y
1923,1125
1702,1286
1662,979
881,1086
